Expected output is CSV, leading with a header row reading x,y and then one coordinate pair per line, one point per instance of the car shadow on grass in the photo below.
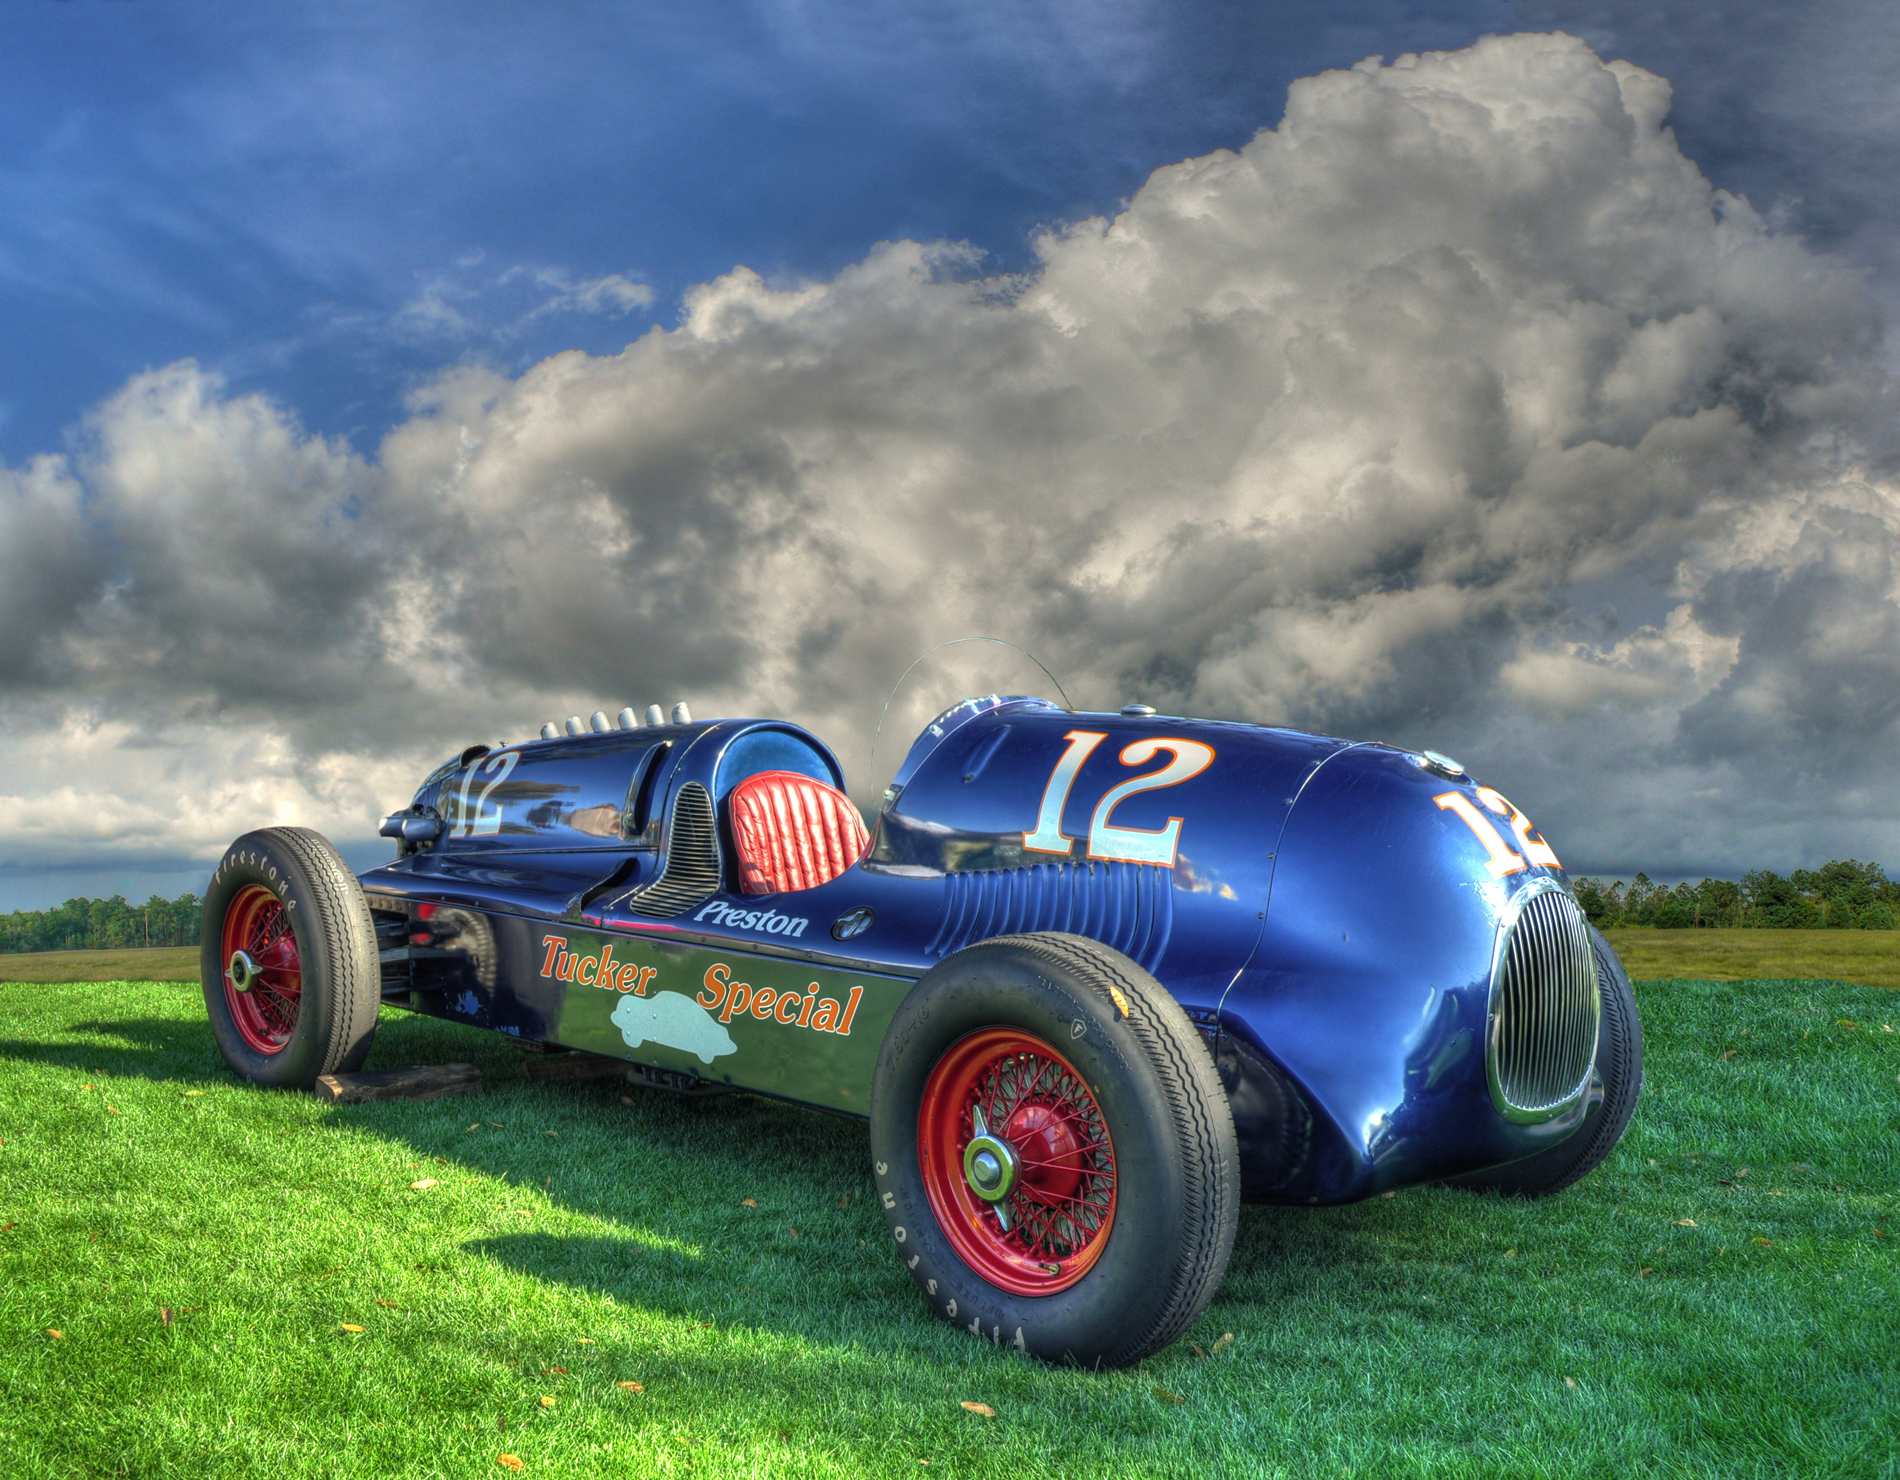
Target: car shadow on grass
x,y
158,1049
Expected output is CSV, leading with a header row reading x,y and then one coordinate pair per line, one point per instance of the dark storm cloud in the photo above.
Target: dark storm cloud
x,y
1326,429
1793,105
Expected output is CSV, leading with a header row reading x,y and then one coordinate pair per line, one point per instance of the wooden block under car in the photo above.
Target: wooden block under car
x,y
422,1082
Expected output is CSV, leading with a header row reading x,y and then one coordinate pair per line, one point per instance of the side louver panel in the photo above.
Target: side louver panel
x,y
691,875
1544,1010
1129,906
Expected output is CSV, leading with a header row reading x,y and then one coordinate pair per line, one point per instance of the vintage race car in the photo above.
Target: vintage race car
x,y
1093,979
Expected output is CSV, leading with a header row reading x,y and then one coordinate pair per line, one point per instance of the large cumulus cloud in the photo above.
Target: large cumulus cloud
x,y
1351,428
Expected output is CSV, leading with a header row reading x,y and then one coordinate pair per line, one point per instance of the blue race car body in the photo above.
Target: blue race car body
x,y
1380,953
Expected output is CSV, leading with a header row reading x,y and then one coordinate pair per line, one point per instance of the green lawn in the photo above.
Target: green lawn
x,y
1870,957
153,964
1428,1333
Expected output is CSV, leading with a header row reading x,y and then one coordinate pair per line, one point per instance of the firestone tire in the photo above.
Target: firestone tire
x,y
1620,1067
303,1001
1128,1190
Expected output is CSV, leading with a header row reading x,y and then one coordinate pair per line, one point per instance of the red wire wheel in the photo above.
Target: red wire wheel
x,y
1004,1085
265,1013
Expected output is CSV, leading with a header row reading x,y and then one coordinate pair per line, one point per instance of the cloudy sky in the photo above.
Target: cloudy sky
x,y
1507,378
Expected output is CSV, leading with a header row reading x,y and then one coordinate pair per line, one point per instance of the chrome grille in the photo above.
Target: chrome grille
x,y
1544,1009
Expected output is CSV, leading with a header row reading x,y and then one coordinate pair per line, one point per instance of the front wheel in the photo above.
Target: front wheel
x,y
288,959
1054,1153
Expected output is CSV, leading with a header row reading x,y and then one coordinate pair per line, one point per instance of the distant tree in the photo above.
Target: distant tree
x,y
1602,907
103,924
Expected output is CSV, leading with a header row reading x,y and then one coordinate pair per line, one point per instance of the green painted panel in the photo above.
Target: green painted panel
x,y
787,1028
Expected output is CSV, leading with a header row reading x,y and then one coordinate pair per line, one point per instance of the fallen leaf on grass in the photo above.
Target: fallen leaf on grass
x,y
547,1402
1644,1271
1741,1171
1766,1243
844,1202
552,1133
748,1202
112,1109
626,1099
443,1159
498,1125
1223,1341
510,1461
1686,1223
585,1340
1510,1253
424,1185
4,1227
982,1408
1388,1194
348,1327
794,1233
390,1303
630,1387
56,1335
550,1371
1167,1397
188,1094
1843,1023
1197,1351
164,1315
1729,1055
477,1126
1571,1383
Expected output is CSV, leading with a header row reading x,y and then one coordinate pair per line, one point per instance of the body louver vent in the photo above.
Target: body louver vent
x,y
1544,1010
691,875
1129,906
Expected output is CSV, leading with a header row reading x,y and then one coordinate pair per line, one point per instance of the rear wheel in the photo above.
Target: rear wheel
x,y
1054,1152
1619,1069
288,959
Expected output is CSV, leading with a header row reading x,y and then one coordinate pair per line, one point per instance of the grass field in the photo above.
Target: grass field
x,y
1718,1299
158,964
1869,957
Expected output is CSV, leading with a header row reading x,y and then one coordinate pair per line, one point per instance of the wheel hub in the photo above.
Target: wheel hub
x,y
241,972
1017,1162
263,973
990,1164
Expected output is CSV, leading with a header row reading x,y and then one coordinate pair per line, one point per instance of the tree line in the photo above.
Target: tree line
x,y
103,925
1842,895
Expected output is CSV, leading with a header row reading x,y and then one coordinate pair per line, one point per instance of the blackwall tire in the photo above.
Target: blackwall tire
x,y
311,977
1619,1065
1081,1049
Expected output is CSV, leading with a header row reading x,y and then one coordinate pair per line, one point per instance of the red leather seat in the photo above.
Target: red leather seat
x,y
793,833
